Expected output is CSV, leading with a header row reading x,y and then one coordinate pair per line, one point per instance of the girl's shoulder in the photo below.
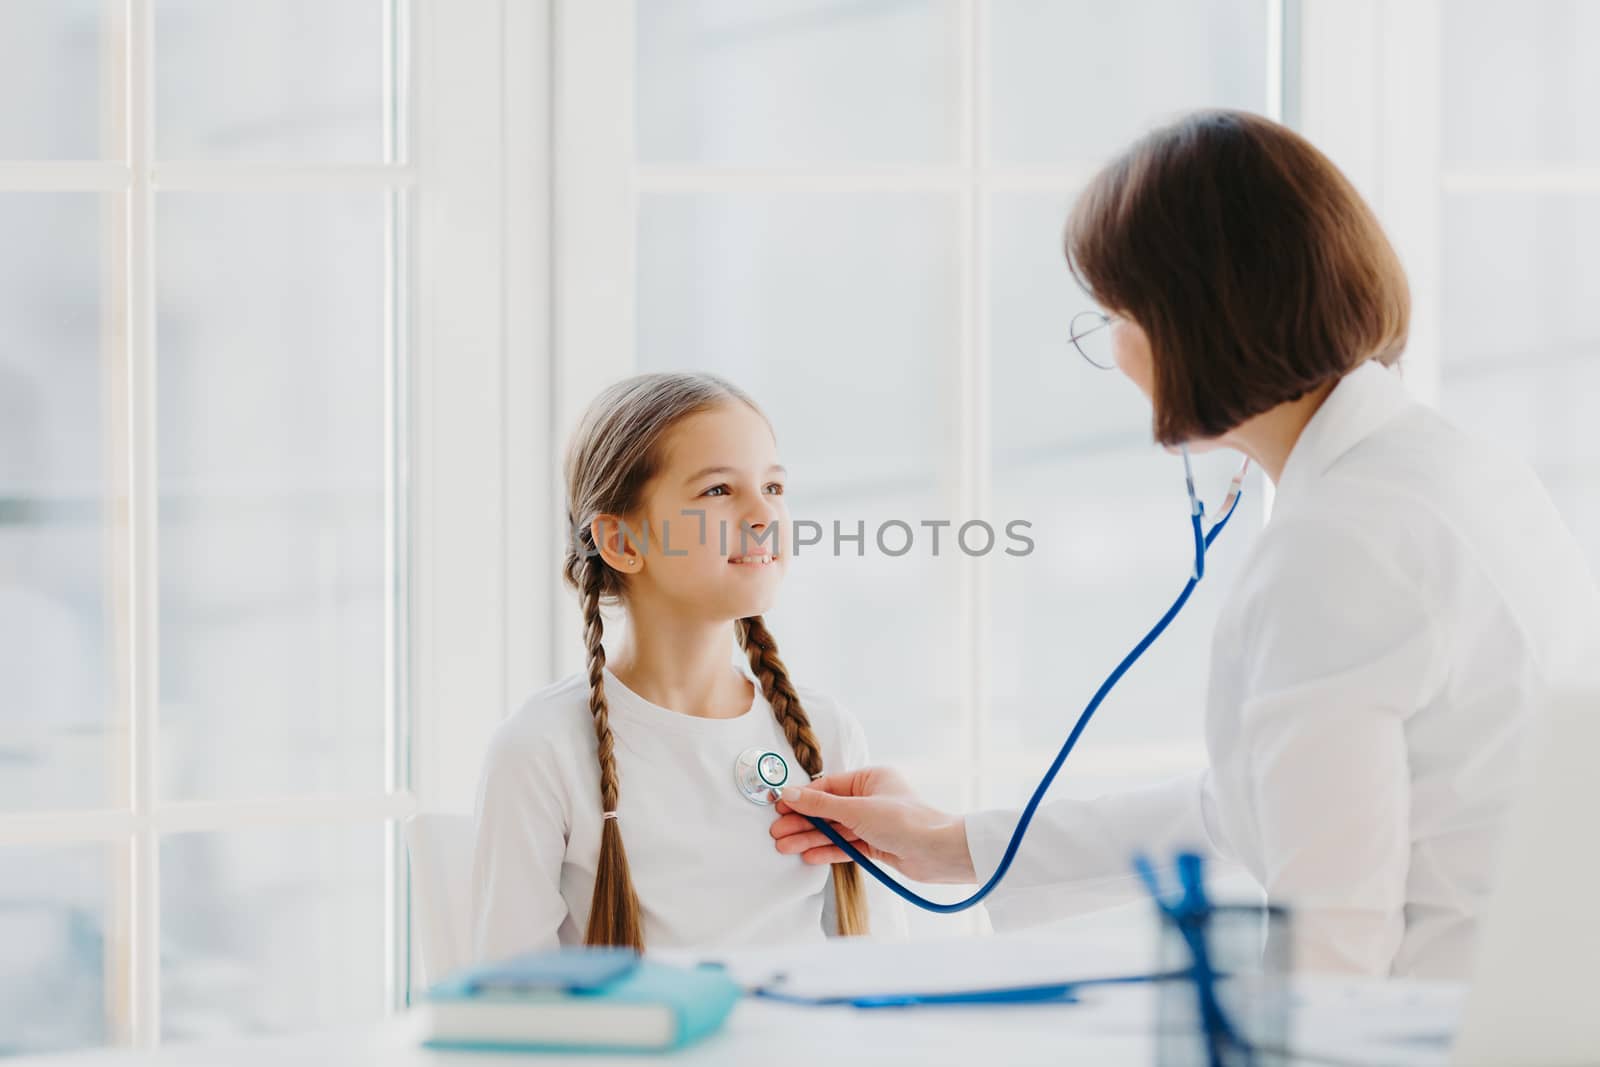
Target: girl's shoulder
x,y
823,708
555,723
554,720
836,728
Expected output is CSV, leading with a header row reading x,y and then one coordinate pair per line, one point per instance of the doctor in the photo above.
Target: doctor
x,y
1375,671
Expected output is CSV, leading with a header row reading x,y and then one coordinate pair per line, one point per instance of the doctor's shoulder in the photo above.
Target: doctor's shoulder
x,y
1326,572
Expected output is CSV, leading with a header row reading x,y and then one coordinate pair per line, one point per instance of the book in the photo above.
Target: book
x,y
578,999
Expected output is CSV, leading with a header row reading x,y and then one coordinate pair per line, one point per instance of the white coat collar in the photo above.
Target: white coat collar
x,y
1363,402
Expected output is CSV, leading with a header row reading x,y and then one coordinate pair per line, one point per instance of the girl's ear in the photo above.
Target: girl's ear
x,y
621,546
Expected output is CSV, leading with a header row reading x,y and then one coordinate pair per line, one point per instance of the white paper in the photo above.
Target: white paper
x,y
860,967
1376,1021
1357,1020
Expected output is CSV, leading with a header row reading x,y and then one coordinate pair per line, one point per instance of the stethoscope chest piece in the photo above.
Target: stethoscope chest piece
x,y
758,772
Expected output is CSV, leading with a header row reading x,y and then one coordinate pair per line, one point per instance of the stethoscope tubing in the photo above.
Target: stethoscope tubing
x,y
1202,541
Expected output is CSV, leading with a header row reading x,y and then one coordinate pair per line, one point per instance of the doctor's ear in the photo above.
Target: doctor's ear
x,y
622,545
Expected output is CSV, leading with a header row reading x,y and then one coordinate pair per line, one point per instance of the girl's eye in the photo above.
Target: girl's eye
x,y
716,490
775,488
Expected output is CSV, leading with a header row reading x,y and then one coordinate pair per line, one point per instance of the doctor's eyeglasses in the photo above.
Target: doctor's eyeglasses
x,y
1091,336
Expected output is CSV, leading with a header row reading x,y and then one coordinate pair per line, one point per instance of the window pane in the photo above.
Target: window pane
x,y
54,55
1520,83
840,315
53,907
1047,398
290,80
1522,336
877,631
271,379
270,930
1520,278
1114,551
1072,81
1073,454
797,82
58,356
839,312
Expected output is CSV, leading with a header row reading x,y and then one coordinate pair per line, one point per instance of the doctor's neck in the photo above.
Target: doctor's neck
x,y
1270,437
680,663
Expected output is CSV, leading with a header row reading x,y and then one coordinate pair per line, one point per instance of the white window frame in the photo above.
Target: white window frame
x,y
598,183
468,457
1368,96
486,554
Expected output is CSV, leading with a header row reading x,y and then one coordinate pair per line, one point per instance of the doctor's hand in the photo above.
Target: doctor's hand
x,y
875,809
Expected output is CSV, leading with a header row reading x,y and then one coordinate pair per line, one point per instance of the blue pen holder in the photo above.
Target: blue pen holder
x,y
1249,952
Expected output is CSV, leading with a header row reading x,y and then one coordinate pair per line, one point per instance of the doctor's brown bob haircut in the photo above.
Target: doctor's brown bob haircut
x,y
1251,263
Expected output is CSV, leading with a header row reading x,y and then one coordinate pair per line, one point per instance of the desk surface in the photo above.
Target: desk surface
x,y
1340,1020
758,1033
1111,1027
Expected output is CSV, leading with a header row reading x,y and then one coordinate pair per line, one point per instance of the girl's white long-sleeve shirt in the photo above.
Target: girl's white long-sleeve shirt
x,y
700,853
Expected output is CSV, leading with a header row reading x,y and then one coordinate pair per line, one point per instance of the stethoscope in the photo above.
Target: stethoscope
x,y
761,774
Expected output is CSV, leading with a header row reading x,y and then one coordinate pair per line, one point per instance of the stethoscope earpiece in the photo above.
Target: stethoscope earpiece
x,y
760,773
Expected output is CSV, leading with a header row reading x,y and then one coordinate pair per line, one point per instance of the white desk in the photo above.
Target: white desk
x,y
1111,1026
758,1033
1107,1030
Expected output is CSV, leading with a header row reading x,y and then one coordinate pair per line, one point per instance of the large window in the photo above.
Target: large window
x,y
203,220
1520,223
854,210
1472,127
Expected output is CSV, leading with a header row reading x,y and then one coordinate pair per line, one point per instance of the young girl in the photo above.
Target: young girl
x,y
676,511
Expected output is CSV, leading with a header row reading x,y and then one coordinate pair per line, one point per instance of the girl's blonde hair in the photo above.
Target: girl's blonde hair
x,y
613,455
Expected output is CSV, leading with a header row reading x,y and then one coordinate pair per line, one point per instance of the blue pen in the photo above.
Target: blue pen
x,y
1057,994
1191,914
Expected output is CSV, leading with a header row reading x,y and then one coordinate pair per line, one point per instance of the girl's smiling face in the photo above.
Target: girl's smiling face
x,y
717,545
